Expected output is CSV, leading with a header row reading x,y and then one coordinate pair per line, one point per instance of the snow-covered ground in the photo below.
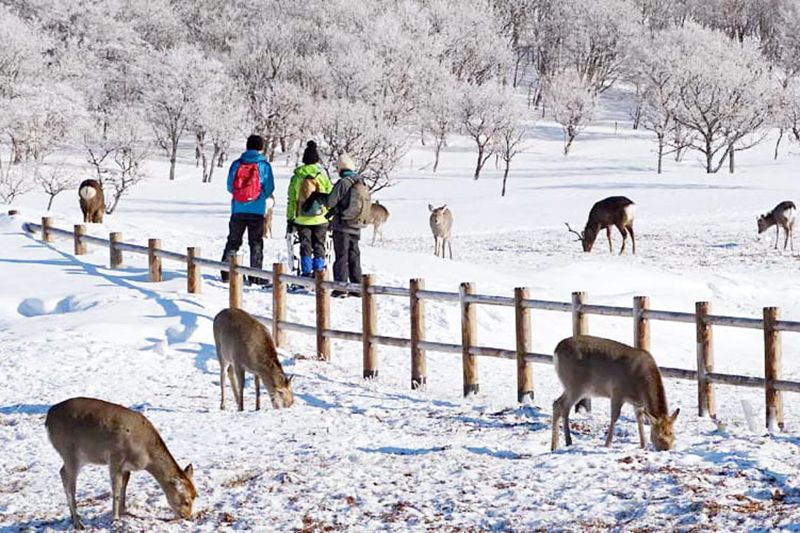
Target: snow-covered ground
x,y
372,456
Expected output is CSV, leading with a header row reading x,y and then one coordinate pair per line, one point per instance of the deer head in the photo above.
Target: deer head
x,y
763,222
181,493
582,237
661,434
282,395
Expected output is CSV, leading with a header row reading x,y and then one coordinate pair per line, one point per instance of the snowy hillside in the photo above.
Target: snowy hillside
x,y
375,456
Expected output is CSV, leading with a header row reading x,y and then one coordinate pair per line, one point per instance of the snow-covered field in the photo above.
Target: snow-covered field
x,y
375,456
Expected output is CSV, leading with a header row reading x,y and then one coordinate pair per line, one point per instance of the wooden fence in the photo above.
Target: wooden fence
x,y
467,299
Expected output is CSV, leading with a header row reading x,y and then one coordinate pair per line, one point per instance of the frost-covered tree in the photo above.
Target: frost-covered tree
x,y
174,81
481,115
439,116
54,180
727,105
510,137
571,102
16,180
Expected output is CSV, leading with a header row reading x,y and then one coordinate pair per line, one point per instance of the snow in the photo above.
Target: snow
x,y
376,456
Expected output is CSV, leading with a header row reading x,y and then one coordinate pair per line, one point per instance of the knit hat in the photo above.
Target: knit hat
x,y
310,154
345,163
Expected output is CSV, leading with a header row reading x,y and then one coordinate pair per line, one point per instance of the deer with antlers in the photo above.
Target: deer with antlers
x,y
612,211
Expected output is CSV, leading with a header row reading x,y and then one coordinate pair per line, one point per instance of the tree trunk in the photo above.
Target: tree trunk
x,y
50,202
660,151
221,158
637,116
214,156
436,155
505,176
778,143
173,157
204,160
568,138
709,158
479,164
731,151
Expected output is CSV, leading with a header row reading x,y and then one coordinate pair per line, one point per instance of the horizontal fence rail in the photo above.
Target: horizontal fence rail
x,y
467,299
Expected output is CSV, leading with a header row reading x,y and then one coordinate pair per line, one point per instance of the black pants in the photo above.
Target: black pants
x,y
254,224
347,266
312,240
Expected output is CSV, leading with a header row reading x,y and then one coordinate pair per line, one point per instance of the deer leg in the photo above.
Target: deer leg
x,y
608,236
374,232
558,412
616,409
123,508
449,248
115,470
624,233
236,386
222,369
633,239
257,383
640,424
777,235
69,478
786,237
239,371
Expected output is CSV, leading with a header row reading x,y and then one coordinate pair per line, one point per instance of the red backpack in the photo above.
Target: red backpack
x,y
246,183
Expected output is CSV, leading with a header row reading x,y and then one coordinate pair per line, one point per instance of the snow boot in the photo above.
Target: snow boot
x,y
306,266
319,264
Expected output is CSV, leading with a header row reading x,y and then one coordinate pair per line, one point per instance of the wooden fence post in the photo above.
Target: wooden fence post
x,y
772,368
79,232
115,254
641,325
153,261
194,279
580,326
523,333
235,283
323,301
369,316
47,224
419,366
705,360
278,304
469,338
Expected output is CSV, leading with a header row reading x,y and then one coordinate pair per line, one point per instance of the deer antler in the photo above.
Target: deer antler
x,y
580,237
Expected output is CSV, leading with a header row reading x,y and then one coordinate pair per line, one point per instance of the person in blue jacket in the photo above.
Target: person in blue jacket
x,y
249,202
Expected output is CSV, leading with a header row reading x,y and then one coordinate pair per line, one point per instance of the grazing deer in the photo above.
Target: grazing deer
x,y
93,203
85,430
378,215
441,221
268,217
612,211
592,366
782,216
243,343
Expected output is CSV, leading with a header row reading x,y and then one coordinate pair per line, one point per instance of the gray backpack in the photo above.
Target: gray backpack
x,y
357,212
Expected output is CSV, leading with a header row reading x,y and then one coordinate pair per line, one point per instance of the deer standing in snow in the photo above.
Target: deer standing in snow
x,y
378,215
441,221
85,430
243,343
591,366
782,216
268,217
612,211
92,201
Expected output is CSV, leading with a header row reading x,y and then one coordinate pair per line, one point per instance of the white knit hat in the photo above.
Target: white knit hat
x,y
345,162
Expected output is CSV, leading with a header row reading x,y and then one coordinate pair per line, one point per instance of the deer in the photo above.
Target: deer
x,y
592,366
782,216
92,201
268,217
90,431
378,215
612,211
441,221
243,343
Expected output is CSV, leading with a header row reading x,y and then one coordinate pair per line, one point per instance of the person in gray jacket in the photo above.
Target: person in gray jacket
x,y
346,234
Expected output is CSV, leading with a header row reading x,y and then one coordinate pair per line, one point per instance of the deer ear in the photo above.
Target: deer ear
x,y
289,379
430,207
443,207
675,414
189,471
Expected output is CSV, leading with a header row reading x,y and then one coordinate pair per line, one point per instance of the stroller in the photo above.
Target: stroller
x,y
293,257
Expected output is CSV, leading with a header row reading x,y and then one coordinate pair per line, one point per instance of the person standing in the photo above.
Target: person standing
x,y
250,182
350,203
309,221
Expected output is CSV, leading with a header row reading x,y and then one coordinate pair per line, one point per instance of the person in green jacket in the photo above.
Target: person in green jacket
x,y
311,223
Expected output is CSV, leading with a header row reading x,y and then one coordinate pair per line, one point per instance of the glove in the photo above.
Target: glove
x,y
289,227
